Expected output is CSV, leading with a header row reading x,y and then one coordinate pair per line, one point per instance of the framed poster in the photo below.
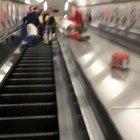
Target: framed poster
x,y
10,13
4,14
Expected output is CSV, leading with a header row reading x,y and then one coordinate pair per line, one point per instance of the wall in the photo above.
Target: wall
x,y
125,15
11,13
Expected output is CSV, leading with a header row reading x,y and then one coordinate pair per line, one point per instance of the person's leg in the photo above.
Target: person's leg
x,y
30,40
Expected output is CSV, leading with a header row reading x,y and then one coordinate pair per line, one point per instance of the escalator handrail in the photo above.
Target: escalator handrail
x,y
6,34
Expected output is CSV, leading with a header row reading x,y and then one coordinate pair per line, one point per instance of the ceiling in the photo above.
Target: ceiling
x,y
32,2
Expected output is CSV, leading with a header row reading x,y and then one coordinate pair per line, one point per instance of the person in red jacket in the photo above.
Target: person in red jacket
x,y
77,18
74,28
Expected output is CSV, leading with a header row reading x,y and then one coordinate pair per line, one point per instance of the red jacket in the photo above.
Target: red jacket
x,y
77,18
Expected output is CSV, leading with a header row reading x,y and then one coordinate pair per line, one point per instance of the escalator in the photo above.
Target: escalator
x,y
28,107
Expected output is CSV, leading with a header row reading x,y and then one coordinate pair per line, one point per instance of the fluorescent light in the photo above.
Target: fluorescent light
x,y
39,1
27,1
45,5
81,2
65,16
70,0
66,6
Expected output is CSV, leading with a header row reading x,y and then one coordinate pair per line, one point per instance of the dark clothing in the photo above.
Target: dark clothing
x,y
32,18
44,16
51,24
51,21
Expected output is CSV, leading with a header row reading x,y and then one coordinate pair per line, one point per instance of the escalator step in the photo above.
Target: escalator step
x,y
31,136
27,88
27,98
36,61
39,55
22,70
32,74
28,109
35,65
37,58
28,124
29,81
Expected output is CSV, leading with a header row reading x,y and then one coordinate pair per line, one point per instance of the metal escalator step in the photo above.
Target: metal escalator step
x,y
38,64
28,124
31,136
28,109
32,75
36,61
29,81
40,49
38,58
44,51
27,98
34,65
28,88
27,94
22,70
39,55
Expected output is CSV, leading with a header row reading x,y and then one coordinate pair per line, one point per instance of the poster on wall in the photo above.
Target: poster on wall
x,y
106,13
14,13
4,15
10,17
137,23
17,13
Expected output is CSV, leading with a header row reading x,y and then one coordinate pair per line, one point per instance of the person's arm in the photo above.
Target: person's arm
x,y
25,19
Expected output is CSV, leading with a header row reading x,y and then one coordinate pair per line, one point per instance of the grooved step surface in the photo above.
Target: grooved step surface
x,y
28,109
31,136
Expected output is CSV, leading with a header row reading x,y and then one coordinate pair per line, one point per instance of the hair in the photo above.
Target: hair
x,y
73,4
50,9
35,8
31,6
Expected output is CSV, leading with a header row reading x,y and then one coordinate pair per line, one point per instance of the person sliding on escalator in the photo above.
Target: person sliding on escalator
x,y
77,18
74,25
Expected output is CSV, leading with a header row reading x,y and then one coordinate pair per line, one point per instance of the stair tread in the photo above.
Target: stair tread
x,y
27,94
29,134
28,117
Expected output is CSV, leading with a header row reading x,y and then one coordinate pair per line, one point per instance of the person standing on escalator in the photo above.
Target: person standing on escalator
x,y
50,28
32,23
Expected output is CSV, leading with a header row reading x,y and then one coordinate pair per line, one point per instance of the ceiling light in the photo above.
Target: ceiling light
x,y
45,5
27,1
66,6
39,1
65,16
